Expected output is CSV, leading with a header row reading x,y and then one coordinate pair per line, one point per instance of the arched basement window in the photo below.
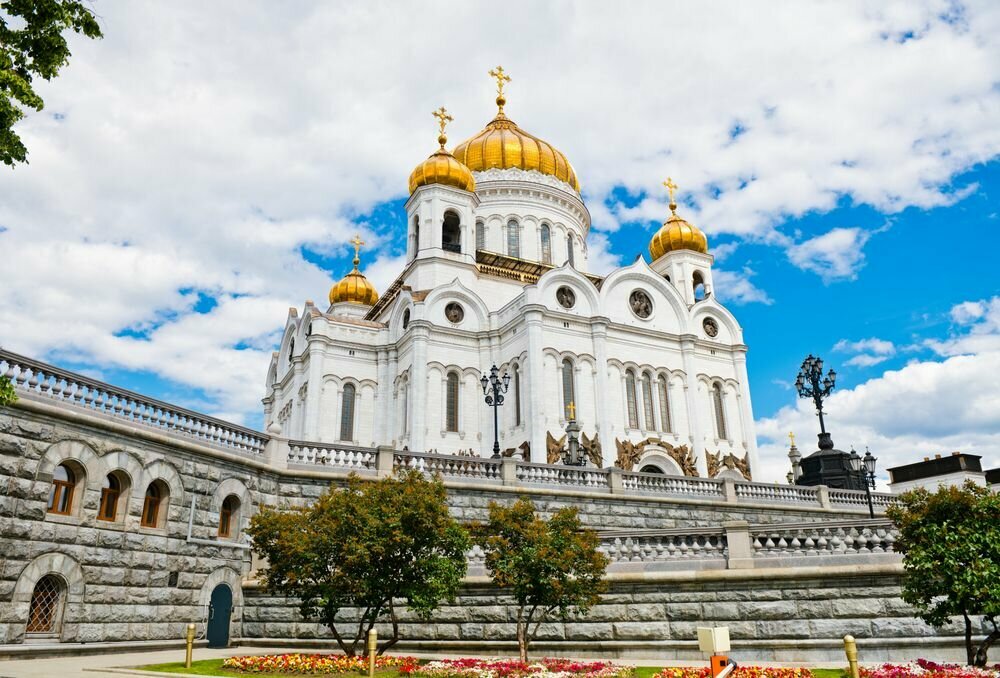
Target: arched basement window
x,y
513,239
47,598
156,496
569,388
64,482
647,401
630,398
347,412
664,394
229,516
546,238
451,404
451,232
111,492
720,412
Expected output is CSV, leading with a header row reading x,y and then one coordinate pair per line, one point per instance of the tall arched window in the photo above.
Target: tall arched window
x,y
570,253
698,283
546,237
156,496
64,482
647,401
630,398
664,394
46,608
347,412
451,232
451,402
111,492
513,239
517,396
720,411
569,388
416,234
480,235
229,516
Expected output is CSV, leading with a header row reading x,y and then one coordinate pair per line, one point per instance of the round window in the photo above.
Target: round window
x,y
640,303
406,318
454,312
711,327
566,297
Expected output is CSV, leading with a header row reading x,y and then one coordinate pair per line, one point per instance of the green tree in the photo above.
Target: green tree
x,y
32,44
7,395
365,547
950,541
551,567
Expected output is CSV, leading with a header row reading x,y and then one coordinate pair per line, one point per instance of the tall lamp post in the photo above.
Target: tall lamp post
x,y
812,384
865,467
494,387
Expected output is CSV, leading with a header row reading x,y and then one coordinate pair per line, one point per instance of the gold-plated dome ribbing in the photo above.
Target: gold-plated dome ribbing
x,y
442,167
502,144
676,233
354,287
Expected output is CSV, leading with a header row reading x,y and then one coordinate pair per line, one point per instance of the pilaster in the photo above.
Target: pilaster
x,y
691,401
533,320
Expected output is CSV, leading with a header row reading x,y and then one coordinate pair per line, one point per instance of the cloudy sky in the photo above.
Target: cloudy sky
x,y
201,168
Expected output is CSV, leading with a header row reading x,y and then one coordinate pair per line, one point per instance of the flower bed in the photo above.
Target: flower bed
x,y
924,668
740,672
512,668
297,663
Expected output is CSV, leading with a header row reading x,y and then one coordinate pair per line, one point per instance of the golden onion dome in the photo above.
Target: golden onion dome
x,y
442,167
676,233
502,144
354,288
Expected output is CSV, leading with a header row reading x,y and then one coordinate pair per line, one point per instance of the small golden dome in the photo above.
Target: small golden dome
x,y
502,144
676,233
354,287
442,167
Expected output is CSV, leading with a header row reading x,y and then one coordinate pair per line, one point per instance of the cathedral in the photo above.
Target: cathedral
x,y
646,363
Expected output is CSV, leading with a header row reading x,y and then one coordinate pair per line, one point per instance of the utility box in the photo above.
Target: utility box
x,y
713,639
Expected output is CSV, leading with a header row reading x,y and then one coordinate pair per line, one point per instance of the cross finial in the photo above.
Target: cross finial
x,y
357,242
572,411
501,78
443,119
671,187
791,437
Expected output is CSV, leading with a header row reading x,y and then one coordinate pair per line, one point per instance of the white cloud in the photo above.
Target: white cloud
x,y
869,352
600,259
835,255
182,163
736,286
981,322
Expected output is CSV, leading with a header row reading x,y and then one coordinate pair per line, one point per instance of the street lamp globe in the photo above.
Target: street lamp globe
x,y
855,461
869,460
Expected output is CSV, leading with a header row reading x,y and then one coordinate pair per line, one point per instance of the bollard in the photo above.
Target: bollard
x,y
190,646
372,647
851,650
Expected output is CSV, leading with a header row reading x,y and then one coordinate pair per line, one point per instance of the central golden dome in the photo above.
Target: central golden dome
x,y
502,144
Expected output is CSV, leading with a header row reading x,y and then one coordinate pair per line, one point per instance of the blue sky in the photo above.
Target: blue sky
x,y
183,193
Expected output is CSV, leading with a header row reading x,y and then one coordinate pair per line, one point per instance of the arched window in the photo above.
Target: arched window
x,y
698,282
155,501
569,388
664,393
347,412
47,598
570,254
291,349
111,493
451,232
64,482
630,400
229,516
451,404
513,239
647,401
416,234
650,468
517,396
546,237
720,411
480,235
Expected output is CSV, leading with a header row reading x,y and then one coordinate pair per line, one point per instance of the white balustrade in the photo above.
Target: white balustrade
x,y
859,498
449,466
555,474
331,454
662,548
813,539
766,492
657,483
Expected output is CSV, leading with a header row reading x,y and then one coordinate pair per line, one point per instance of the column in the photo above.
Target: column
x,y
389,423
602,403
746,411
691,400
418,391
314,393
535,418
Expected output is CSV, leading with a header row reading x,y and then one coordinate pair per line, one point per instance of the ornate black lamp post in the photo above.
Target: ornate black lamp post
x,y
494,387
865,468
812,384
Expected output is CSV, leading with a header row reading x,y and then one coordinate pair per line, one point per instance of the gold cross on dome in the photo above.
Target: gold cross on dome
x,y
443,118
671,187
791,436
501,78
357,242
572,410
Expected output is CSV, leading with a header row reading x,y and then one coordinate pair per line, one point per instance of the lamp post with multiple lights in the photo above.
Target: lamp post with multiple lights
x,y
865,468
810,383
494,386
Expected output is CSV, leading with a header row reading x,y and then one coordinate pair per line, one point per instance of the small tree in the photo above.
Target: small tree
x,y
551,567
366,546
950,541
7,394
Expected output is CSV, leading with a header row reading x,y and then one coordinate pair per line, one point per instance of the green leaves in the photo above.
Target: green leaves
x,y
32,44
7,394
364,546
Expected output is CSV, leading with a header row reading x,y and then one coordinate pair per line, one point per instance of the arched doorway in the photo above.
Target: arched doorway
x,y
220,610
47,601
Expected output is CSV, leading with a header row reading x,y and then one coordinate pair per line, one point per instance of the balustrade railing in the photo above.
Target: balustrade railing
x,y
449,466
39,379
555,474
657,483
859,498
815,539
777,493
332,454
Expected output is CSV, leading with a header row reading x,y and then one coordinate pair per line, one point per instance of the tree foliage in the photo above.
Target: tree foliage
x,y
7,395
32,45
551,567
950,541
366,547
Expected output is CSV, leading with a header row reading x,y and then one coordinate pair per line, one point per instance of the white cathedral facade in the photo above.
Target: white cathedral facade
x,y
648,362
